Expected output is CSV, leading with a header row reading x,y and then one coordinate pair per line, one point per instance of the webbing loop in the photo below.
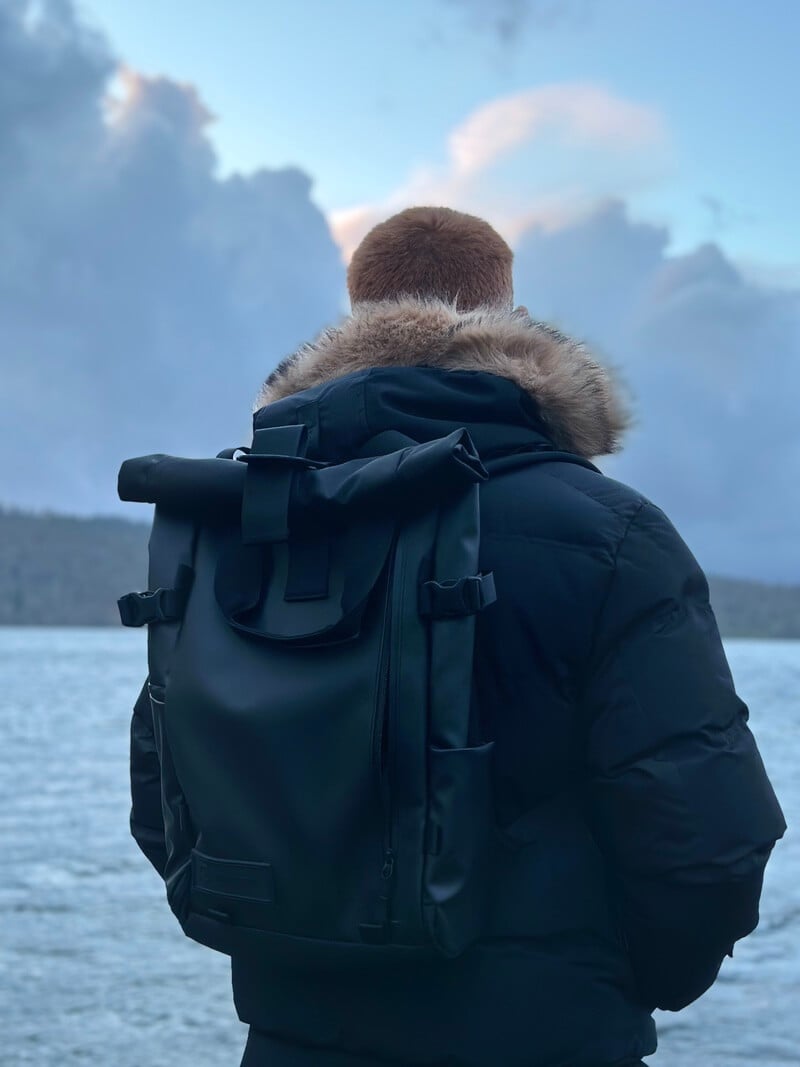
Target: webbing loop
x,y
457,596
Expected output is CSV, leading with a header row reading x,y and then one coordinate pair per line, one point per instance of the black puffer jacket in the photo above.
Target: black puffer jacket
x,y
599,672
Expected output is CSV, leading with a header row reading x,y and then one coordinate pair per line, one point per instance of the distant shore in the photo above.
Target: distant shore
x,y
58,570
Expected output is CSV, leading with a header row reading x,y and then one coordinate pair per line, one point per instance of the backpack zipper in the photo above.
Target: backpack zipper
x,y
380,756
387,868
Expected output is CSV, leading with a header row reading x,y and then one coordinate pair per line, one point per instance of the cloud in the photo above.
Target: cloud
x,y
142,298
543,155
713,360
582,114
509,19
711,355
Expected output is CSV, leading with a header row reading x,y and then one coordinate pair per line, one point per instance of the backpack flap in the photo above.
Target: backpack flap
x,y
303,592
316,538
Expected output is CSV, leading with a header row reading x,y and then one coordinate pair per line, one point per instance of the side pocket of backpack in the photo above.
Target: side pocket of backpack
x,y
178,830
458,837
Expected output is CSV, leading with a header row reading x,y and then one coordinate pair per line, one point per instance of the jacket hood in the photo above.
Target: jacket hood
x,y
572,398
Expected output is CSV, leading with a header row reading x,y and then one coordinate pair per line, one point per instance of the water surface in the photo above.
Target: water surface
x,y
94,969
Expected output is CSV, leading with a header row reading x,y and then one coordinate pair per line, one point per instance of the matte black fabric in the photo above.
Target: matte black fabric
x,y
623,767
295,735
147,825
263,1051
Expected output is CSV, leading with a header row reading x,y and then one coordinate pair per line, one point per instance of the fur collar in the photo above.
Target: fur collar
x,y
578,399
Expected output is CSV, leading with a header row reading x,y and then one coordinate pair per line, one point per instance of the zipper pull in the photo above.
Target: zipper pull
x,y
388,865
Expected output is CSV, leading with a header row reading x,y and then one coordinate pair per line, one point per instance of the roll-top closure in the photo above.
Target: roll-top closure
x,y
289,494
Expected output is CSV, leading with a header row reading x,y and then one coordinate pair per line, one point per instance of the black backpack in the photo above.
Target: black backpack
x,y
311,631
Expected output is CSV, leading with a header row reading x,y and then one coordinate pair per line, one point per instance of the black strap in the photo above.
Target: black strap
x,y
276,455
456,597
160,605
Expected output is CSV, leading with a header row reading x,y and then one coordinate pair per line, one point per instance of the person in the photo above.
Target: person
x,y
622,752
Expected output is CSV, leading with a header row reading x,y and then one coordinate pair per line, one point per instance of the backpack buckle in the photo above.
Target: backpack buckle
x,y
455,597
138,609
158,605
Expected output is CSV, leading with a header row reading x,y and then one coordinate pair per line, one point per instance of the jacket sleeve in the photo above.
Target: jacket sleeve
x,y
146,820
677,795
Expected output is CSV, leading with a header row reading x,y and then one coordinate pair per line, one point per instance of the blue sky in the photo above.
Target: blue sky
x,y
361,94
641,157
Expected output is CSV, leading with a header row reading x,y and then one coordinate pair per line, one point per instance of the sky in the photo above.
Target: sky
x,y
181,185
361,94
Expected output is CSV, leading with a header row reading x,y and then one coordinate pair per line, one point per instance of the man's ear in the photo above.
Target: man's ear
x,y
521,312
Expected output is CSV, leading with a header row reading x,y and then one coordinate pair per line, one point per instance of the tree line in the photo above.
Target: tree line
x,y
56,570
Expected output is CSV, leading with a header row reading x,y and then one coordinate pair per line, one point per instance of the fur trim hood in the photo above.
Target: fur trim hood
x,y
579,401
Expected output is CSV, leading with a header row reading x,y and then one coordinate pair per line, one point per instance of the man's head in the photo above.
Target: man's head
x,y
433,252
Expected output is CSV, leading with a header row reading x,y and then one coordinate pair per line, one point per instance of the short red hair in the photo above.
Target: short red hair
x,y
433,252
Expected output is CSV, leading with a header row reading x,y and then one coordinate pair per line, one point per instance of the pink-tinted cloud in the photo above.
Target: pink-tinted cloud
x,y
546,155
576,113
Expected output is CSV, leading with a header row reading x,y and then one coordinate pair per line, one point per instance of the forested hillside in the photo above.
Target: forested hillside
x,y
62,571
754,609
